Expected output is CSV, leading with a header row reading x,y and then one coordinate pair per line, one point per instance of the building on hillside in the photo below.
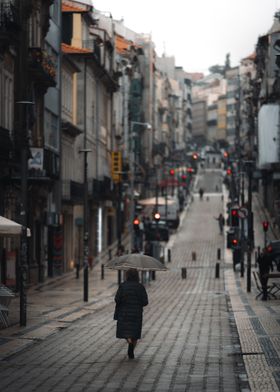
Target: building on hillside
x,y
199,121
222,118
212,122
233,103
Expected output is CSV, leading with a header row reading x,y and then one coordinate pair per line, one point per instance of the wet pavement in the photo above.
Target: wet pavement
x,y
201,333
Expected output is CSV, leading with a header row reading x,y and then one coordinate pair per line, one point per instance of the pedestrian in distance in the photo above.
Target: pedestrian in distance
x,y
201,193
264,261
130,299
221,222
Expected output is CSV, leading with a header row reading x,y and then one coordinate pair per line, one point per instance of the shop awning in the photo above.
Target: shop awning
x,y
10,228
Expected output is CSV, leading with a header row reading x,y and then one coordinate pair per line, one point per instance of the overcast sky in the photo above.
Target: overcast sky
x,y
198,33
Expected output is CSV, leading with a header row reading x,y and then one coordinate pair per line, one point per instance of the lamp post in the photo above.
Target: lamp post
x,y
23,267
250,224
86,234
132,165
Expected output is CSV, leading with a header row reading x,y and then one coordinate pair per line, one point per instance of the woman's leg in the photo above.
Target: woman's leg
x,y
130,351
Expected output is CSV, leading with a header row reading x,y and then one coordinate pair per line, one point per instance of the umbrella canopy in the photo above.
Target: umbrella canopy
x,y
10,228
137,261
161,201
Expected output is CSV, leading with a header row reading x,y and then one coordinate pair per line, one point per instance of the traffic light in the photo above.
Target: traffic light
x,y
234,242
156,216
234,218
136,223
265,226
229,171
194,156
172,172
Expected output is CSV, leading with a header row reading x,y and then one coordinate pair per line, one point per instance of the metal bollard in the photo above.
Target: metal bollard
x,y
102,271
184,273
169,255
193,256
219,254
217,271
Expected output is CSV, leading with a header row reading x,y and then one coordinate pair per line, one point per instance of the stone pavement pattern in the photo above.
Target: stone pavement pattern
x,y
189,339
190,336
258,323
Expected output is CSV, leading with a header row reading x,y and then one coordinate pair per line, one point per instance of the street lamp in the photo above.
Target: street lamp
x,y
86,234
132,164
23,210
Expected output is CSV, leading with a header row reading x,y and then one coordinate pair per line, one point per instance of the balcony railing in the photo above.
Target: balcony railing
x,y
8,16
42,67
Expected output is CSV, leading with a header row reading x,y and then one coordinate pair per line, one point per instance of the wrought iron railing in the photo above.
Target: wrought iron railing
x,y
40,58
8,16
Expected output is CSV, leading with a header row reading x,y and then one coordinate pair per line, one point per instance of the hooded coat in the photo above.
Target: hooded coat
x,y
130,299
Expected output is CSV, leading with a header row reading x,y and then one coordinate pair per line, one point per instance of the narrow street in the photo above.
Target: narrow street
x,y
189,340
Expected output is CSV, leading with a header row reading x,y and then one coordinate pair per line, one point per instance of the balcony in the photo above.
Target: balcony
x,y
9,23
42,68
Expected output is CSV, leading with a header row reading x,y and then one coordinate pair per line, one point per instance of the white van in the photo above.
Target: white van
x,y
172,217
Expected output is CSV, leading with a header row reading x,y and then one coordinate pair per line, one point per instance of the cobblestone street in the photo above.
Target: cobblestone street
x,y
192,328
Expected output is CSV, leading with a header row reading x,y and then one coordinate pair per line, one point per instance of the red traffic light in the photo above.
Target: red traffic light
x,y
234,217
229,172
234,242
136,221
265,225
172,172
195,156
157,216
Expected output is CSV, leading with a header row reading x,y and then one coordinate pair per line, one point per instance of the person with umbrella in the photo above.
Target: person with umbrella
x,y
130,299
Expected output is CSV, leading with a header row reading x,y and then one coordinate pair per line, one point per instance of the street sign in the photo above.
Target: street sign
x,y
243,212
116,166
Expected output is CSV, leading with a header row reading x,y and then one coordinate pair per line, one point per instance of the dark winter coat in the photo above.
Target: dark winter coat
x,y
130,299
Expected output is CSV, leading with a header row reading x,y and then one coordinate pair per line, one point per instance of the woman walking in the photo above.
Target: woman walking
x,y
130,299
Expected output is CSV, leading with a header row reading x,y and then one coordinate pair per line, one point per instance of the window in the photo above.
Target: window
x,y
51,130
6,97
35,30
54,11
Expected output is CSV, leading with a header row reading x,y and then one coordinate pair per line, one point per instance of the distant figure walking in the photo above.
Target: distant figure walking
x,y
201,193
130,299
221,222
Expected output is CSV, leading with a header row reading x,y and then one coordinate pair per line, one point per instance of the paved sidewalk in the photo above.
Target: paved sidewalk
x,y
53,305
258,322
